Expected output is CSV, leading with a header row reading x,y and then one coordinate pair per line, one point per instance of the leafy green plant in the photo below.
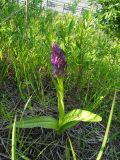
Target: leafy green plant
x,y
64,121
109,15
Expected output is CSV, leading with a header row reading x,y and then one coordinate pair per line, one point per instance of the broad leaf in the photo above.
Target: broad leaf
x,y
42,121
77,115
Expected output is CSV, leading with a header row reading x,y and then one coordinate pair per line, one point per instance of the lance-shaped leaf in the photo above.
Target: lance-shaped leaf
x,y
41,121
77,115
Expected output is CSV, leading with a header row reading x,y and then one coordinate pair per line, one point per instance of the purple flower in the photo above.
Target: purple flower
x,y
58,61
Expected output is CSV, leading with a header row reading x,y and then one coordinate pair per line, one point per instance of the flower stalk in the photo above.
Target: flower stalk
x,y
60,95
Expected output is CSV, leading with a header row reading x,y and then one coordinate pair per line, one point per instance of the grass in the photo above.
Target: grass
x,y
13,151
107,129
92,76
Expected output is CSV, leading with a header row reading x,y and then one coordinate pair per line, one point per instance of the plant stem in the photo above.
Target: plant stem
x,y
60,95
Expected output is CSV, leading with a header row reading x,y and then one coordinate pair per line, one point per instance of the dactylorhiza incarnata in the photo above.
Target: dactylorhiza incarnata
x,y
58,61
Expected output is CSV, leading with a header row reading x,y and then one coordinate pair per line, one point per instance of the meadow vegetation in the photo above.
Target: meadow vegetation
x,y
93,76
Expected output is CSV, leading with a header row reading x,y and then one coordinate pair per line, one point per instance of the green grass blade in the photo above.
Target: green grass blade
x,y
41,152
23,157
107,130
67,151
72,149
14,140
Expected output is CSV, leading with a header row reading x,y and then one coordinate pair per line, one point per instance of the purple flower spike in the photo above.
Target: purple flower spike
x,y
58,61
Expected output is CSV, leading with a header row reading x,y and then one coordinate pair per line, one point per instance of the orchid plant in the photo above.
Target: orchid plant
x,y
65,120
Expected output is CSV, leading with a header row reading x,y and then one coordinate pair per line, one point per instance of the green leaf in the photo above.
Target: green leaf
x,y
70,25
41,121
77,115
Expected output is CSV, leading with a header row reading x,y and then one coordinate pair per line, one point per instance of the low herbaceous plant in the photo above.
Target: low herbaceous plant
x,y
65,120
